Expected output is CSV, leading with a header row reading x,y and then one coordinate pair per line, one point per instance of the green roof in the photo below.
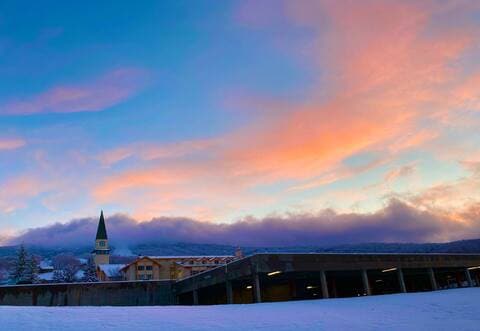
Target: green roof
x,y
101,230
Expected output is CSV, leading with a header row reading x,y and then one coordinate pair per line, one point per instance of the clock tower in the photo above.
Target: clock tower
x,y
101,254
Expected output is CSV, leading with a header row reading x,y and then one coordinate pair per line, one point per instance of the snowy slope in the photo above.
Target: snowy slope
x,y
442,310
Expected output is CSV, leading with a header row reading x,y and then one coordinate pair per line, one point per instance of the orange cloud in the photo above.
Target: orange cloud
x,y
389,67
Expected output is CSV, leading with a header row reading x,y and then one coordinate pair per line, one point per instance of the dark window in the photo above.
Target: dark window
x,y
149,267
141,267
102,243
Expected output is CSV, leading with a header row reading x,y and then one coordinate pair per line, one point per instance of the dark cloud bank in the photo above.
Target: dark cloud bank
x,y
397,222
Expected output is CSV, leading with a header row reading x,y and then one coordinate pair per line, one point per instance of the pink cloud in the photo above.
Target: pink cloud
x,y
151,151
99,94
15,192
8,144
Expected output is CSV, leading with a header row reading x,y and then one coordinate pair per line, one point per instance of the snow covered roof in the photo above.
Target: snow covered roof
x,y
111,270
187,264
46,265
83,261
79,274
48,276
186,259
190,256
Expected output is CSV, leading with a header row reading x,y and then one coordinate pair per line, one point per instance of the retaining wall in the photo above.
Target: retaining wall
x,y
137,293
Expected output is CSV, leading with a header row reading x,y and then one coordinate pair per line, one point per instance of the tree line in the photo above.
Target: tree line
x,y
25,269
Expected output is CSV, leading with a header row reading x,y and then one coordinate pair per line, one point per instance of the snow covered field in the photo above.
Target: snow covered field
x,y
457,310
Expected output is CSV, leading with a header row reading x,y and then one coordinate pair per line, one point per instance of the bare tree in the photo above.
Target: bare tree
x,y
62,261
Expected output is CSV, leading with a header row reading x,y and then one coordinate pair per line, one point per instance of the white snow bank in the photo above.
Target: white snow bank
x,y
442,310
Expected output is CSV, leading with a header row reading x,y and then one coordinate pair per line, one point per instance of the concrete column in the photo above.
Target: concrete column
x,y
469,277
433,281
323,284
293,288
401,280
257,293
366,284
228,285
195,297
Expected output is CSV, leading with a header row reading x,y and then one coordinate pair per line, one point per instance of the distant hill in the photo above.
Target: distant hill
x,y
462,246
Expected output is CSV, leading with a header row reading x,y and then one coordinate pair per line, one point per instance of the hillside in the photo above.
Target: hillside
x,y
463,246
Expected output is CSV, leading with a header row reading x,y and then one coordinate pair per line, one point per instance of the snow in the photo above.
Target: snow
x,y
188,256
47,276
46,265
456,309
83,261
111,270
79,274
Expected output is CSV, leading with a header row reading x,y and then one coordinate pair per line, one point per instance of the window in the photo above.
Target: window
x,y
149,267
216,261
141,267
102,243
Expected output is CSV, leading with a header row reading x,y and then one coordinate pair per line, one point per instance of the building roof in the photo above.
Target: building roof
x,y
177,257
101,230
125,266
183,258
46,276
111,270
45,265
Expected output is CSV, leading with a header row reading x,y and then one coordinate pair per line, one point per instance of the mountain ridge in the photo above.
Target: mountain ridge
x,y
460,246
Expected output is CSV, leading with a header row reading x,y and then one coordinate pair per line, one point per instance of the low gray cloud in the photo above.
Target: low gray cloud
x,y
396,222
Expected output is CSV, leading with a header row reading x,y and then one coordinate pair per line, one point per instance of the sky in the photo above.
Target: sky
x,y
339,116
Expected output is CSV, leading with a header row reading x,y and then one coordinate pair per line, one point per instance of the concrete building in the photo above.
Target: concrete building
x,y
283,277
101,254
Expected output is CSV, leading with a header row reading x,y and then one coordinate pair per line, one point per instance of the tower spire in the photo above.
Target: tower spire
x,y
101,230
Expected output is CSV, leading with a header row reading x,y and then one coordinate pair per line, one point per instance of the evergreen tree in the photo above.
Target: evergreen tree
x,y
31,270
90,273
19,270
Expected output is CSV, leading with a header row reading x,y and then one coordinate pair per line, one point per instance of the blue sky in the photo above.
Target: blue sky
x,y
220,110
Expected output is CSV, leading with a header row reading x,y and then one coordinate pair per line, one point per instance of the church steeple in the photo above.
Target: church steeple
x,y
101,254
101,230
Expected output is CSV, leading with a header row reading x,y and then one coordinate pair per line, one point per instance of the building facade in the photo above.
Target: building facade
x,y
172,267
